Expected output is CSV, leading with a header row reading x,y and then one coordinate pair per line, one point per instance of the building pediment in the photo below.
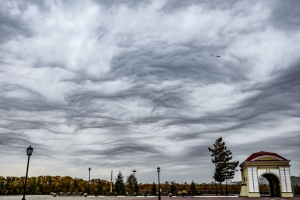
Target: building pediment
x,y
264,156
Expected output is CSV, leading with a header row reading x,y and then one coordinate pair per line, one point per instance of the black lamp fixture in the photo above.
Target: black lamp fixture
x,y
158,170
134,172
29,151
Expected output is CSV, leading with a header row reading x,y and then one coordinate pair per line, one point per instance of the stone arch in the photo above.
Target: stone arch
x,y
271,174
274,184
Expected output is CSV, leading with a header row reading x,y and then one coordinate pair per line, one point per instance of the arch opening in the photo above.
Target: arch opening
x,y
274,185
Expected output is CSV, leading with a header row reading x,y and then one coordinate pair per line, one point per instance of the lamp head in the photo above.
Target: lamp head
x,y
29,151
158,169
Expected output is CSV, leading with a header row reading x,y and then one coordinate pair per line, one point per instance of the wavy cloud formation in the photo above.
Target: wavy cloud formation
x,y
129,85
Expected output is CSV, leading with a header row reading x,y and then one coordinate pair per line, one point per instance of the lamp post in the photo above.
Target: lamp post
x,y
135,178
158,170
29,153
89,181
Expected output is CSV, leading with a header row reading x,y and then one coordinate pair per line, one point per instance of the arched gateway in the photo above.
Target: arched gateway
x,y
273,167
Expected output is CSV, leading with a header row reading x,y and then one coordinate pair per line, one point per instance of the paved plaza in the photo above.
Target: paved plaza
x,y
48,197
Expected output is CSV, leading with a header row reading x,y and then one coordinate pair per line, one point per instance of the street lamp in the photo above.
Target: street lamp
x,y
89,181
134,177
158,170
29,153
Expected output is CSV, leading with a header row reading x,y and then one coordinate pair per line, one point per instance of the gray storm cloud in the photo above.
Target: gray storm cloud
x,y
138,84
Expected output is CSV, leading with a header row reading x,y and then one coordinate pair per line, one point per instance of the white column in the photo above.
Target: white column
x,y
288,179
253,180
282,179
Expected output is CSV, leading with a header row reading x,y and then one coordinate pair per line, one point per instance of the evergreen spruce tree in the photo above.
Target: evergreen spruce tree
x,y
193,188
153,190
173,188
120,186
132,183
224,167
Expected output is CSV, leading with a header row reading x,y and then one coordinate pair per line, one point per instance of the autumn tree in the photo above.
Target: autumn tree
x,y
221,157
99,186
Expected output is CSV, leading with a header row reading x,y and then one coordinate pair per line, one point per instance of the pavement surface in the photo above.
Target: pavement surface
x,y
49,197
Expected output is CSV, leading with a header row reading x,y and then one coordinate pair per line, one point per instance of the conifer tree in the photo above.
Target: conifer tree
x,y
224,167
173,188
193,187
120,186
132,183
153,188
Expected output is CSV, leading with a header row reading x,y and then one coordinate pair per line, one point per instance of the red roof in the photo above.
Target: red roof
x,y
264,153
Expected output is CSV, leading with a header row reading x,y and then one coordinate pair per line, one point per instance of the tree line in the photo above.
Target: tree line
x,y
46,184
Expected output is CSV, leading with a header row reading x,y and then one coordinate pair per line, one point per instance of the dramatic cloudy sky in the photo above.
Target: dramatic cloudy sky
x,y
123,85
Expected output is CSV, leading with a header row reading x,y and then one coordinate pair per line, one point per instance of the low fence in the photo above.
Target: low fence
x,y
204,192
